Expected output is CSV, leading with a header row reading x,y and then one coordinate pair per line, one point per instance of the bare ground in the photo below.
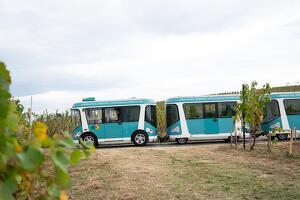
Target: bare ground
x,y
213,171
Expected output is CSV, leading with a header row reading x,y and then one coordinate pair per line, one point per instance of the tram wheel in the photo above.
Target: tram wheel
x,y
140,138
181,140
282,136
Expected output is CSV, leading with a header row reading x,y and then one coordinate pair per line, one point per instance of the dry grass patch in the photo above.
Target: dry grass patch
x,y
189,172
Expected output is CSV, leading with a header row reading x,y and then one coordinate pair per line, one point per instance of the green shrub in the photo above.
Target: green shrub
x,y
37,169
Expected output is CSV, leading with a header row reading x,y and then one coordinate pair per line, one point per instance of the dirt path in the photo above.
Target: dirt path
x,y
190,172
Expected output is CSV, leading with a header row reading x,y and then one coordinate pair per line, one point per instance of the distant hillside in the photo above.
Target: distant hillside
x,y
290,88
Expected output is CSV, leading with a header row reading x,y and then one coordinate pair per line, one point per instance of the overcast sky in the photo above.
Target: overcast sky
x,y
60,51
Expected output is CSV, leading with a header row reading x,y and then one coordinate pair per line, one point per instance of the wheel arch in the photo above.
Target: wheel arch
x,y
139,130
89,132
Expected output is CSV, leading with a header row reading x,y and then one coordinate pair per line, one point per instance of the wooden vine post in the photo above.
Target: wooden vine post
x,y
269,141
293,134
235,138
231,140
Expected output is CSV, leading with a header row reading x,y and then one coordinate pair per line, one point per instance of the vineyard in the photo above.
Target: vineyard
x,y
59,123
38,159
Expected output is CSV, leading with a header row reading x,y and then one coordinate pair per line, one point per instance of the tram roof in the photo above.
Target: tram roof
x,y
211,98
204,98
91,102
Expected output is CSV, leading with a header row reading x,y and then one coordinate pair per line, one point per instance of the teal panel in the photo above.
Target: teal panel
x,y
98,130
225,125
294,121
77,132
270,125
195,126
211,126
151,130
175,129
113,130
286,95
129,128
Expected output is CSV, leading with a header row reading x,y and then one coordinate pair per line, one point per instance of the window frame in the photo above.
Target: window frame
x,y
155,116
77,110
184,110
224,102
94,108
104,115
216,112
275,117
130,106
285,108
178,118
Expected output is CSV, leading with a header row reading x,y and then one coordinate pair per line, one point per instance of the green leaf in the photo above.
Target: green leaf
x,y
75,157
67,142
60,160
5,77
4,93
54,190
86,145
7,189
275,140
47,143
18,178
31,158
86,152
62,177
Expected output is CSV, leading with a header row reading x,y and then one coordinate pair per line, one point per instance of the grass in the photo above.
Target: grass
x,y
213,171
